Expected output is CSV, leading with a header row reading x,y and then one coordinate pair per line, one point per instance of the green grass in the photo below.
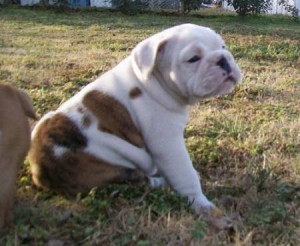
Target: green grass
x,y
245,145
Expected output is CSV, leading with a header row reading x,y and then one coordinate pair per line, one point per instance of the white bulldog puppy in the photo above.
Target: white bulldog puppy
x,y
129,123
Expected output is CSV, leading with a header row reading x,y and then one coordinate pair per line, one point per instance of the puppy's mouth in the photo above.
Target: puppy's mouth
x,y
231,78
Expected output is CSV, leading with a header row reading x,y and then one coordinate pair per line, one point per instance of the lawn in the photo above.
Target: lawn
x,y
246,145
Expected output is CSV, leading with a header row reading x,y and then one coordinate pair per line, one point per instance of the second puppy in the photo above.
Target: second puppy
x,y
15,107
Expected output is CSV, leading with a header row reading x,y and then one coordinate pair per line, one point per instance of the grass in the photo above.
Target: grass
x,y
245,145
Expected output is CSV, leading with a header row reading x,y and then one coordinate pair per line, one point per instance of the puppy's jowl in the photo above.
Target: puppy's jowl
x,y
129,123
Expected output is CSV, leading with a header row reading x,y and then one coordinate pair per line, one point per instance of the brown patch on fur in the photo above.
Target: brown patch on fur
x,y
135,92
86,121
113,117
15,106
93,172
60,130
75,171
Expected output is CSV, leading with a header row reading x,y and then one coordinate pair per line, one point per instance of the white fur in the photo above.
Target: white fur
x,y
157,182
159,67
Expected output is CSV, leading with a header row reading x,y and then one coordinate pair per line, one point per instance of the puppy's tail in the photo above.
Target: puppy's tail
x,y
27,105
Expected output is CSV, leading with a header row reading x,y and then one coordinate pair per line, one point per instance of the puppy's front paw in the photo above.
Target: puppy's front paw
x,y
214,216
211,211
217,212
221,223
201,204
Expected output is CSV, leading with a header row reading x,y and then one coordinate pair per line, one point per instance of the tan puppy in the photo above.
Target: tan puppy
x,y
15,106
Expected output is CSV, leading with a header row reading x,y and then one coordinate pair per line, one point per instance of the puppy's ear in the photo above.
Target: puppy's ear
x,y
26,104
145,53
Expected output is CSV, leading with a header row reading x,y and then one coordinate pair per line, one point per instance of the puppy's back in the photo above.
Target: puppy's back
x,y
14,99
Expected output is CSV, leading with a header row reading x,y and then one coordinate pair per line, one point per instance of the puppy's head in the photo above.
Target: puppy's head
x,y
189,60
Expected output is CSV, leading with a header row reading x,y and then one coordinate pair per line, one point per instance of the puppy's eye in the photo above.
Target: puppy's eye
x,y
194,59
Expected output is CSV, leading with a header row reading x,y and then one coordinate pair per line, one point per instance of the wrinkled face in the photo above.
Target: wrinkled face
x,y
195,63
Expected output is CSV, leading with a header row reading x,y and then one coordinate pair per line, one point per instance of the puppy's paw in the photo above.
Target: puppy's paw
x,y
211,211
212,215
201,205
217,218
221,223
217,212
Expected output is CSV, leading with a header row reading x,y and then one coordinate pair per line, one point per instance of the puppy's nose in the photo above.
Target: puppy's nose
x,y
223,63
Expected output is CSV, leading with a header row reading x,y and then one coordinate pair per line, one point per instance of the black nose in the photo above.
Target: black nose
x,y
224,65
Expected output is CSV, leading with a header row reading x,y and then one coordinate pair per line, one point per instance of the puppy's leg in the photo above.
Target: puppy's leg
x,y
78,172
63,160
8,173
174,164
112,147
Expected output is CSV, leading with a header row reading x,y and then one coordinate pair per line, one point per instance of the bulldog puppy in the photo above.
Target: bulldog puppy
x,y
129,123
15,107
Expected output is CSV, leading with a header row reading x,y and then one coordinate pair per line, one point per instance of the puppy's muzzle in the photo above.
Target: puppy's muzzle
x,y
230,77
